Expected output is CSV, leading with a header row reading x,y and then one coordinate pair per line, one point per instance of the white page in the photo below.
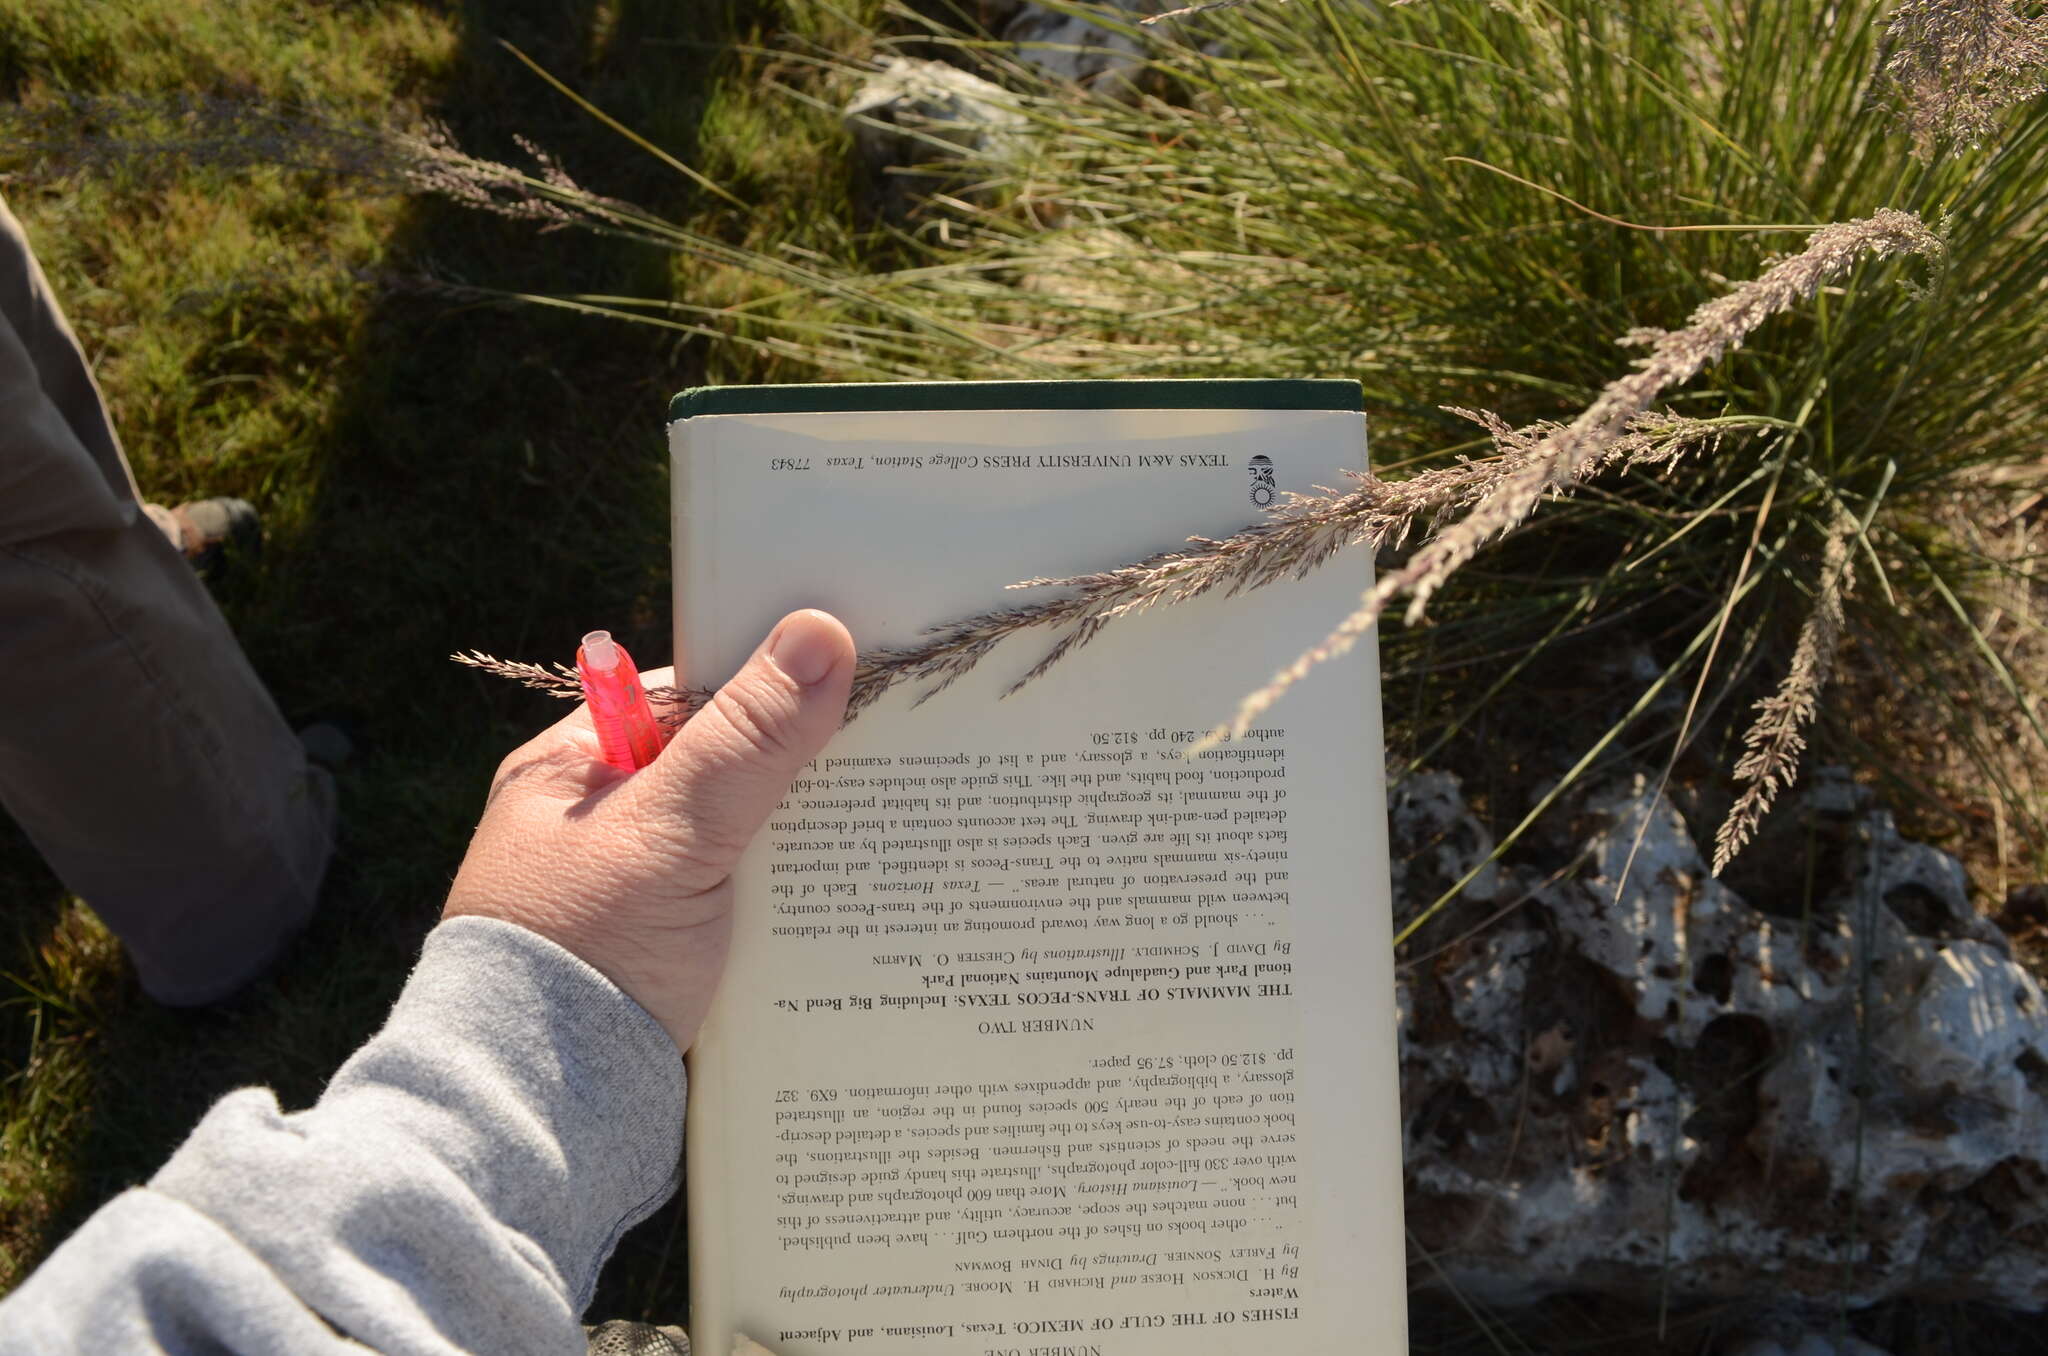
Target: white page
x,y
1231,1248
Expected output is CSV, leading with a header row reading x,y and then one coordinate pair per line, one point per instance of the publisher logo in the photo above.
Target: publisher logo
x,y
1263,492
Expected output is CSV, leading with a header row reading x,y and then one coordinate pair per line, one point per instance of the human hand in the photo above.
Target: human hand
x,y
631,871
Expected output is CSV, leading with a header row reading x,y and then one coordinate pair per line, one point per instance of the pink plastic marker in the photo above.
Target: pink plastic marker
x,y
627,733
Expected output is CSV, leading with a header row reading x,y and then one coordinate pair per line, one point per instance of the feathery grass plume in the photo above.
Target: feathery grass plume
x,y
1652,439
1954,66
1564,456
1297,536
1770,760
558,681
673,705
429,161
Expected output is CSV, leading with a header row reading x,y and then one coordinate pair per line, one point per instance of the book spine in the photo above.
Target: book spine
x,y
707,1207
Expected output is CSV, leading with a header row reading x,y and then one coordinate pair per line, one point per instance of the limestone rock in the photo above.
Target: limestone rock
x,y
1436,844
923,127
1638,1081
1071,47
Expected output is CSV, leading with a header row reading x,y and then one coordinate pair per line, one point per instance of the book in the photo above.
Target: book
x,y
1039,1035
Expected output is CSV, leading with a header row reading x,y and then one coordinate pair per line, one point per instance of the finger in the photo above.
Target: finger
x,y
731,765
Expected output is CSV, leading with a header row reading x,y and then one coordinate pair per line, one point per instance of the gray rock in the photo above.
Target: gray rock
x,y
1923,885
1637,1081
1436,842
1831,791
1070,47
923,127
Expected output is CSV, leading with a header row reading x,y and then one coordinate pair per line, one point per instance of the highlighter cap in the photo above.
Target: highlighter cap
x,y
600,651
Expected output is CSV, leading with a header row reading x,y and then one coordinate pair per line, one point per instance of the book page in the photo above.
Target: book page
x,y
1039,1035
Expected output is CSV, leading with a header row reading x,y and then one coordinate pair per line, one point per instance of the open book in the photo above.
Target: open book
x,y
1038,1035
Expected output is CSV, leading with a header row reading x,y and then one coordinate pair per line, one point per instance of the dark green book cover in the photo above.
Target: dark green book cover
x,y
1226,393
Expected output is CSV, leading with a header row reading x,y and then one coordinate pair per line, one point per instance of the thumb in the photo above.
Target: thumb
x,y
731,764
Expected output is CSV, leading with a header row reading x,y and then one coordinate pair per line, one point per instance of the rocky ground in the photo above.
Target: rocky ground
x,y
1623,1077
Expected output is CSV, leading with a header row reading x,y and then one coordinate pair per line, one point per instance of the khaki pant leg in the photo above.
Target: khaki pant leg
x,y
148,764
138,749
61,467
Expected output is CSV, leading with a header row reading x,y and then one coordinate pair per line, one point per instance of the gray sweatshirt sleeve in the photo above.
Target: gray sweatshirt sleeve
x,y
456,1188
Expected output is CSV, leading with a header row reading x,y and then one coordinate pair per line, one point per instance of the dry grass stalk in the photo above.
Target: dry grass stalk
x,y
1293,544
1567,454
558,681
672,705
1770,761
1652,440
1495,494
1954,66
1299,535
429,161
